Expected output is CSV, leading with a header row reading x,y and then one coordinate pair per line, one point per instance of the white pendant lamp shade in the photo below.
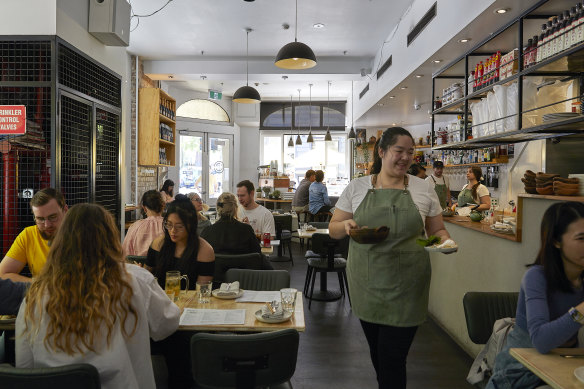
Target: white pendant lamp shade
x,y
295,55
247,94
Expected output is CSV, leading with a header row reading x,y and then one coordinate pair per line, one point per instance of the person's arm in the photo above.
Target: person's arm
x,y
485,203
10,267
269,225
205,254
11,296
341,223
435,226
23,348
163,315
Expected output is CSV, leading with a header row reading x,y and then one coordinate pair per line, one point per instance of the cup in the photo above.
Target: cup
x,y
172,284
288,296
204,291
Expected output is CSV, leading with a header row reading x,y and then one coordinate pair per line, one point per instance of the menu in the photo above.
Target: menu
x,y
259,296
198,317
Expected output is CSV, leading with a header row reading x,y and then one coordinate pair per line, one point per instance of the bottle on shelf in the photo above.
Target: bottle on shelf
x,y
437,103
540,43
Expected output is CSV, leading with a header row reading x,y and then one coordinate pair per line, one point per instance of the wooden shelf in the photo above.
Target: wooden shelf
x,y
423,147
464,221
552,197
149,119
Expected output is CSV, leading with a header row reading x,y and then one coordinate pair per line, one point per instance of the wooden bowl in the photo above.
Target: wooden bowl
x,y
369,235
531,189
548,190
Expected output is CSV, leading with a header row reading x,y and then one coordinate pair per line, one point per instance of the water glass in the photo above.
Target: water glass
x,y
172,284
288,296
204,289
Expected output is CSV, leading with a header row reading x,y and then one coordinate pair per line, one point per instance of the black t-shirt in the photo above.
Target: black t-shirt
x,y
230,236
189,266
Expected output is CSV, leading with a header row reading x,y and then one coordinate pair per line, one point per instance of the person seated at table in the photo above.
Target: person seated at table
x,y
300,201
181,248
167,191
474,193
89,306
417,170
318,195
31,246
257,216
228,235
11,295
550,309
202,221
141,233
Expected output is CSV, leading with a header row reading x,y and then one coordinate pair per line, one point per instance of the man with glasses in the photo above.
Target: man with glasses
x,y
32,244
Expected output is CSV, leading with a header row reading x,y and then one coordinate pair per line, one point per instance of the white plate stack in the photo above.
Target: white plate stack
x,y
287,195
581,178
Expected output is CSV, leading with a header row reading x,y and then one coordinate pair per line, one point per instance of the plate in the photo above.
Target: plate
x,y
445,250
287,315
6,319
503,230
579,373
230,297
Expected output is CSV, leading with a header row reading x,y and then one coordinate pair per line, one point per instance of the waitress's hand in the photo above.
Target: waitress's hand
x,y
350,224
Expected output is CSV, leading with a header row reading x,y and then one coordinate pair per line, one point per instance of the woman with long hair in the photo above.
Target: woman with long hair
x,y
389,282
475,192
142,232
89,306
550,309
202,220
167,191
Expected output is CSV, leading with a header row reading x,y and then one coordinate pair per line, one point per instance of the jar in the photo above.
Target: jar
x,y
576,107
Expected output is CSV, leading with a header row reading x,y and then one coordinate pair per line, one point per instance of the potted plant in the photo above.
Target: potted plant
x,y
259,191
267,189
276,194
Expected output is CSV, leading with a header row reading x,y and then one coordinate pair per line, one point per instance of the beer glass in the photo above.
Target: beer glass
x,y
172,284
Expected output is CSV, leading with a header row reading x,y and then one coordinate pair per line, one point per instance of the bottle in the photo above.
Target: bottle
x,y
571,25
471,81
497,65
533,53
480,75
561,28
437,103
475,74
526,53
546,42
567,27
580,24
540,43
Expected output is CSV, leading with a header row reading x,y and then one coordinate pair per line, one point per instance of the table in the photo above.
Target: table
x,y
555,370
251,324
276,203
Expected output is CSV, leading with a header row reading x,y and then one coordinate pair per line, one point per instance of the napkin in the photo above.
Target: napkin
x,y
278,311
448,243
228,289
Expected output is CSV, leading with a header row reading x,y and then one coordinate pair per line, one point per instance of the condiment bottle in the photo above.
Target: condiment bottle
x,y
540,43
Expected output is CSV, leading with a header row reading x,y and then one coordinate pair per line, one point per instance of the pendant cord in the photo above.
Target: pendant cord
x,y
310,109
298,127
352,120
247,59
296,25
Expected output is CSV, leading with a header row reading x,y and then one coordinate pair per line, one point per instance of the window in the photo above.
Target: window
x,y
278,116
202,109
272,150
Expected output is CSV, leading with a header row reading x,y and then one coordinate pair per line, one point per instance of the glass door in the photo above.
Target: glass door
x,y
191,164
220,151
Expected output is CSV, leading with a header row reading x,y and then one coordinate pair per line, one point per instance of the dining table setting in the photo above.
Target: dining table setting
x,y
561,368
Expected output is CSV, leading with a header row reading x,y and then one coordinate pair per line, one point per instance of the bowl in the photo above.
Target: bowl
x,y
447,212
369,235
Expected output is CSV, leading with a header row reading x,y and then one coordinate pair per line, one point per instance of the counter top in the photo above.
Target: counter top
x,y
551,197
465,222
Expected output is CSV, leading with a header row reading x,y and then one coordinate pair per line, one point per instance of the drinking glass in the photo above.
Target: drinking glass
x,y
204,291
172,284
288,296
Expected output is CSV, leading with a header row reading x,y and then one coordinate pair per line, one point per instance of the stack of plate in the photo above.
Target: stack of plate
x,y
581,178
548,117
287,195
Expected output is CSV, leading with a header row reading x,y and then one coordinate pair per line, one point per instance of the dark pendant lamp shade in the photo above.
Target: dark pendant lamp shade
x,y
310,139
290,142
352,134
295,55
247,95
298,140
328,137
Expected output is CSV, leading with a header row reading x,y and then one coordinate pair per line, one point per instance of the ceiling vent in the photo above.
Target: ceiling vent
x,y
363,92
418,28
384,67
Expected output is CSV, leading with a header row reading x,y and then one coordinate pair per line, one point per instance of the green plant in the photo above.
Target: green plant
x,y
259,189
365,150
276,194
267,189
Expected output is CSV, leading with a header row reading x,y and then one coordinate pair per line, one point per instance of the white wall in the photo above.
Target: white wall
x,y
29,17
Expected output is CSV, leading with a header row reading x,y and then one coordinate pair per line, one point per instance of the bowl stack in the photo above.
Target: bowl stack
x,y
581,178
529,182
566,186
544,183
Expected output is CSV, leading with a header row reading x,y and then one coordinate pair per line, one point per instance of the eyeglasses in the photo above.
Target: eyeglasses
x,y
198,200
177,227
43,220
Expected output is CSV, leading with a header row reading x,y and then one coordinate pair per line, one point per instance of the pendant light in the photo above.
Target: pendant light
x,y
298,140
328,137
352,132
310,139
247,94
295,55
291,141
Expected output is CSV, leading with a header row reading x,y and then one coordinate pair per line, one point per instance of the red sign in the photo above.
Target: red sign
x,y
12,119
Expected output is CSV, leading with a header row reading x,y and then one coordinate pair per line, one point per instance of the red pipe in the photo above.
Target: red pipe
x,y
10,194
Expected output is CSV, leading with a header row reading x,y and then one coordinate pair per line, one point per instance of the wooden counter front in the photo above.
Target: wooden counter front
x,y
464,221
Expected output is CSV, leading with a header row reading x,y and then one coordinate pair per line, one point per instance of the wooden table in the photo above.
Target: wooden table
x,y
555,370
251,323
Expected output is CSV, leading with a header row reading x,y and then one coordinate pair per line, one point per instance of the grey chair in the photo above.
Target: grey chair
x,y
259,279
81,375
284,234
224,262
482,309
244,361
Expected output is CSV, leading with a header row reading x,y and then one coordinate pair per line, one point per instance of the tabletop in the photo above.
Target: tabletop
x,y
251,324
308,234
555,370
273,200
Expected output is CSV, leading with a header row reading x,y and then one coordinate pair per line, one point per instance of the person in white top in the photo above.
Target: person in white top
x,y
440,184
250,212
89,306
475,193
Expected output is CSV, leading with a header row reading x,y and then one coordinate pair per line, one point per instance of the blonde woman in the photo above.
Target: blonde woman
x,y
197,201
89,306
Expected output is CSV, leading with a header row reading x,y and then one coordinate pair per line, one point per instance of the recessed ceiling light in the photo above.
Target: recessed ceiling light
x,y
437,61
403,87
318,25
392,97
464,40
419,75
380,104
501,11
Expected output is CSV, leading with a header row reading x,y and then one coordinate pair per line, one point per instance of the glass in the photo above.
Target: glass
x,y
177,227
191,164
44,220
172,284
204,291
288,296
219,163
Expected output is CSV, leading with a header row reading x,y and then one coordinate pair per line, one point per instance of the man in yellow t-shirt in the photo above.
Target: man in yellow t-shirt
x,y
31,246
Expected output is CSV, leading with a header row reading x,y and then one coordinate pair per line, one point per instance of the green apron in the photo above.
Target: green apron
x,y
440,191
389,281
465,197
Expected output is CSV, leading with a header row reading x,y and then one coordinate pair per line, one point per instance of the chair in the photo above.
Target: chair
x,y
327,247
319,225
224,262
482,309
138,259
259,279
80,375
244,361
284,233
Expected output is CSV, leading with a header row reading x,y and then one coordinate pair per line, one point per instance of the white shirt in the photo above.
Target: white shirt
x,y
481,191
126,363
439,180
260,219
423,195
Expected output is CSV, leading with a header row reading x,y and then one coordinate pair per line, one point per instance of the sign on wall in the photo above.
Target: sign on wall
x,y
215,95
12,119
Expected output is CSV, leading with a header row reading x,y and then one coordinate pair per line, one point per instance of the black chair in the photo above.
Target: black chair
x,y
138,259
327,247
482,309
259,279
244,361
80,375
319,225
284,234
224,262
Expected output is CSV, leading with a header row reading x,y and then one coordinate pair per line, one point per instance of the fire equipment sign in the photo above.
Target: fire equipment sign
x,y
12,119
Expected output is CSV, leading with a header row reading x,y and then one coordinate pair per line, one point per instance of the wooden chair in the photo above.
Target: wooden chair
x,y
259,279
482,309
80,375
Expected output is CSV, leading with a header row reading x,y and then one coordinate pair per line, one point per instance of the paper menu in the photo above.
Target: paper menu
x,y
197,317
259,296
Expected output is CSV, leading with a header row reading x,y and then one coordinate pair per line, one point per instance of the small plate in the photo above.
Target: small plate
x,y
445,250
287,315
6,319
579,373
228,297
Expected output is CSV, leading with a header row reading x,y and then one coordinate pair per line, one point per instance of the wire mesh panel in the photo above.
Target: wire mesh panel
x,y
25,60
107,152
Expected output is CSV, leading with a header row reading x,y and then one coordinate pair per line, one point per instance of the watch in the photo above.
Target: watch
x,y
576,315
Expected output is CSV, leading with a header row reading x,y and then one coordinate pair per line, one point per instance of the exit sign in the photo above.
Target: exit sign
x,y
215,95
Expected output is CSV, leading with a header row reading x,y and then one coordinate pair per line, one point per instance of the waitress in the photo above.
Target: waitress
x,y
475,193
389,281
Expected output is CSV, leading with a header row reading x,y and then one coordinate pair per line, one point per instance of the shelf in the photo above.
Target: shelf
x,y
165,119
165,142
149,120
423,146
444,110
551,197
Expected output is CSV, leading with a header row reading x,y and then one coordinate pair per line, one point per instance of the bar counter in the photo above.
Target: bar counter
x,y
464,221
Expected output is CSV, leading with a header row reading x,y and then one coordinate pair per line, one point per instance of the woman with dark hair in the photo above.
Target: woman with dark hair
x,y
474,192
417,170
89,306
167,191
550,309
389,281
141,233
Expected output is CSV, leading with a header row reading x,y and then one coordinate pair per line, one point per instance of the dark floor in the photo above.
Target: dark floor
x,y
333,351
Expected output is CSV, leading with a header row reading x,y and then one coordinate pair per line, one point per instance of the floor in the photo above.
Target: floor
x,y
333,352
